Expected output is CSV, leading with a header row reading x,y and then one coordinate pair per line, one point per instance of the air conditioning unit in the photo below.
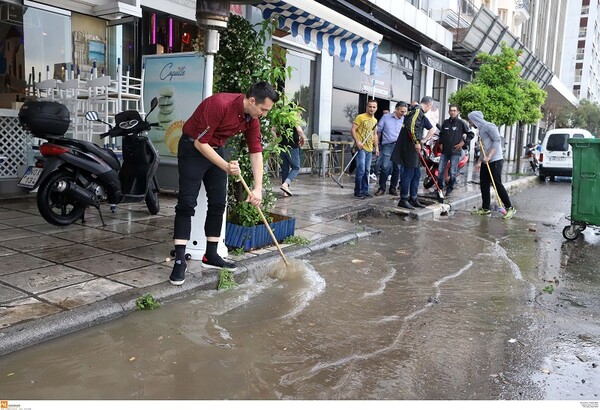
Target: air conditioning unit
x,y
11,14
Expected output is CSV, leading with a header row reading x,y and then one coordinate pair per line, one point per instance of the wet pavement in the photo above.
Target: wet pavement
x,y
57,280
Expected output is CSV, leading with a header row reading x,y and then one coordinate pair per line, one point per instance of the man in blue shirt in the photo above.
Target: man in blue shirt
x,y
388,129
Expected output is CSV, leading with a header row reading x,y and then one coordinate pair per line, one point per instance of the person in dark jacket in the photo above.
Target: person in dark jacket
x,y
408,149
452,139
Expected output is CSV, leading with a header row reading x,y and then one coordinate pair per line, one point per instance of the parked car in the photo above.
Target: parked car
x,y
556,155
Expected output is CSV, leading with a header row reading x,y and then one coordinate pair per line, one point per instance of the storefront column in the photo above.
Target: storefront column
x,y
324,95
428,89
196,246
451,86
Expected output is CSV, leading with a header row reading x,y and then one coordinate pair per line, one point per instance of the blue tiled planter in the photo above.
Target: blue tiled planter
x,y
254,237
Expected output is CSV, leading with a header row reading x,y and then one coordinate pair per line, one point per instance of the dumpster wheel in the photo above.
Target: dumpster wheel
x,y
571,232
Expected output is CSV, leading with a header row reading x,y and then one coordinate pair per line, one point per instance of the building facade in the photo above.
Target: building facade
x,y
581,61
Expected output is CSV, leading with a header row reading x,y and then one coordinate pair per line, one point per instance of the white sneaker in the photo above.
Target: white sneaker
x,y
373,177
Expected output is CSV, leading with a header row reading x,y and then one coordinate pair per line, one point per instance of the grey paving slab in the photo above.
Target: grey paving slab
x,y
15,233
128,228
26,309
46,279
8,294
27,220
69,253
310,235
2,226
87,235
34,243
165,222
83,293
157,253
327,228
49,229
108,264
7,215
148,276
123,243
21,262
157,234
5,251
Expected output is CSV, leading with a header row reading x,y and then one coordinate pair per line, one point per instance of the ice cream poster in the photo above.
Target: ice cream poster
x,y
177,80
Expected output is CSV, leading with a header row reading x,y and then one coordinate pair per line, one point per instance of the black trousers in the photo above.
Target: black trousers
x,y
194,170
486,183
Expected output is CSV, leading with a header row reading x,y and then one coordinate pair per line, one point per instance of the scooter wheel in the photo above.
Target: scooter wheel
x,y
188,256
57,207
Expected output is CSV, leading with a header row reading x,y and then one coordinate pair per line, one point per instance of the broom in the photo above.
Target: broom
x,y
337,180
284,269
501,208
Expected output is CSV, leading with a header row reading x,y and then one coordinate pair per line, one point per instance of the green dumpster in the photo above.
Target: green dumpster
x,y
585,189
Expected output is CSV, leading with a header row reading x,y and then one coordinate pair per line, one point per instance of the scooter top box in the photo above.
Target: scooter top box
x,y
44,117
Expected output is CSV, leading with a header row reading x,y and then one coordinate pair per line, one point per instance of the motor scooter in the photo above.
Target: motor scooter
x,y
74,174
432,151
532,152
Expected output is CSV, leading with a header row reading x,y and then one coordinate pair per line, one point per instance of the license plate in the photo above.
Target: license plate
x,y
30,177
559,159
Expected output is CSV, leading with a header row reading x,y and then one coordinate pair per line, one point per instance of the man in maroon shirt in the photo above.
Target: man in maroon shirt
x,y
200,160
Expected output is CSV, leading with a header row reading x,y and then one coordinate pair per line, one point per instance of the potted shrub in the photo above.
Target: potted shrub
x,y
243,60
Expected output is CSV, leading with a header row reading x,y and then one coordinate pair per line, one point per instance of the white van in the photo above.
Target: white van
x,y
556,155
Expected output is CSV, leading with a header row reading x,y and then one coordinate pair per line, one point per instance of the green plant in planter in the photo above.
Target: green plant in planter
x,y
244,59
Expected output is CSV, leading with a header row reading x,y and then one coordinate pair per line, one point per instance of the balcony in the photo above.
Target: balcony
x,y
522,9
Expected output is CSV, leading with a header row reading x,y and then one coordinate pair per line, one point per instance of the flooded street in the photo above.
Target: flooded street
x,y
458,308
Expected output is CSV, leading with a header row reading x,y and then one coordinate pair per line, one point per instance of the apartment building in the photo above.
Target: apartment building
x,y
580,61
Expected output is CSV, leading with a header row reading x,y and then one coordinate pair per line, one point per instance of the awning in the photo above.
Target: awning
x,y
326,29
559,95
443,64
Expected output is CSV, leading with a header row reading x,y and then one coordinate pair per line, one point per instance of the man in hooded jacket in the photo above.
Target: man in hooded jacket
x,y
489,140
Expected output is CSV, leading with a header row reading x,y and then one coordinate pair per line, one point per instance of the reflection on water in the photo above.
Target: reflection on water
x,y
418,312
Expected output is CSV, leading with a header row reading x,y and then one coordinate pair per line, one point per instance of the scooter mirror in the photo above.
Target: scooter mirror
x,y
153,103
92,116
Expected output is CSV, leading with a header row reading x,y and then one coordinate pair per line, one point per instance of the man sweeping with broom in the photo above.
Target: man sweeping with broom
x,y
492,158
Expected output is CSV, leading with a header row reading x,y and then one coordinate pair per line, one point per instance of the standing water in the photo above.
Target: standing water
x,y
424,310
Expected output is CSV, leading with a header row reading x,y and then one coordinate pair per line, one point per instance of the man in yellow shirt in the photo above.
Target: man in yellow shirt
x,y
365,138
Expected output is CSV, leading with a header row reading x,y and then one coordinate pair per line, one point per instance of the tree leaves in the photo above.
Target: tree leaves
x,y
499,92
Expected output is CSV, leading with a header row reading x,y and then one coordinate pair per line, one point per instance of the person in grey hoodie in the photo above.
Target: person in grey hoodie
x,y
489,139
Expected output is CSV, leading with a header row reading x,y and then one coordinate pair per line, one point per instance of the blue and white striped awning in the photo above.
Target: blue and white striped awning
x,y
327,29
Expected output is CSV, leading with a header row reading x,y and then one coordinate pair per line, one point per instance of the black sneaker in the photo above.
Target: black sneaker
x,y
178,274
393,192
367,195
217,262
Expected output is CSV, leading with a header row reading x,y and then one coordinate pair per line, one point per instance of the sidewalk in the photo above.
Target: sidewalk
x,y
57,280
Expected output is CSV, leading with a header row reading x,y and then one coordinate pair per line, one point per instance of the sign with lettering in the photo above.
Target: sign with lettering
x,y
177,80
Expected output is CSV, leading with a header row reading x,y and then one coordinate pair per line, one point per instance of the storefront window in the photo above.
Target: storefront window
x,y
47,39
299,87
166,34
343,110
12,55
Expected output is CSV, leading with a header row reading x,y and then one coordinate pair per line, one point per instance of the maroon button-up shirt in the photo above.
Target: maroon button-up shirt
x,y
223,115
